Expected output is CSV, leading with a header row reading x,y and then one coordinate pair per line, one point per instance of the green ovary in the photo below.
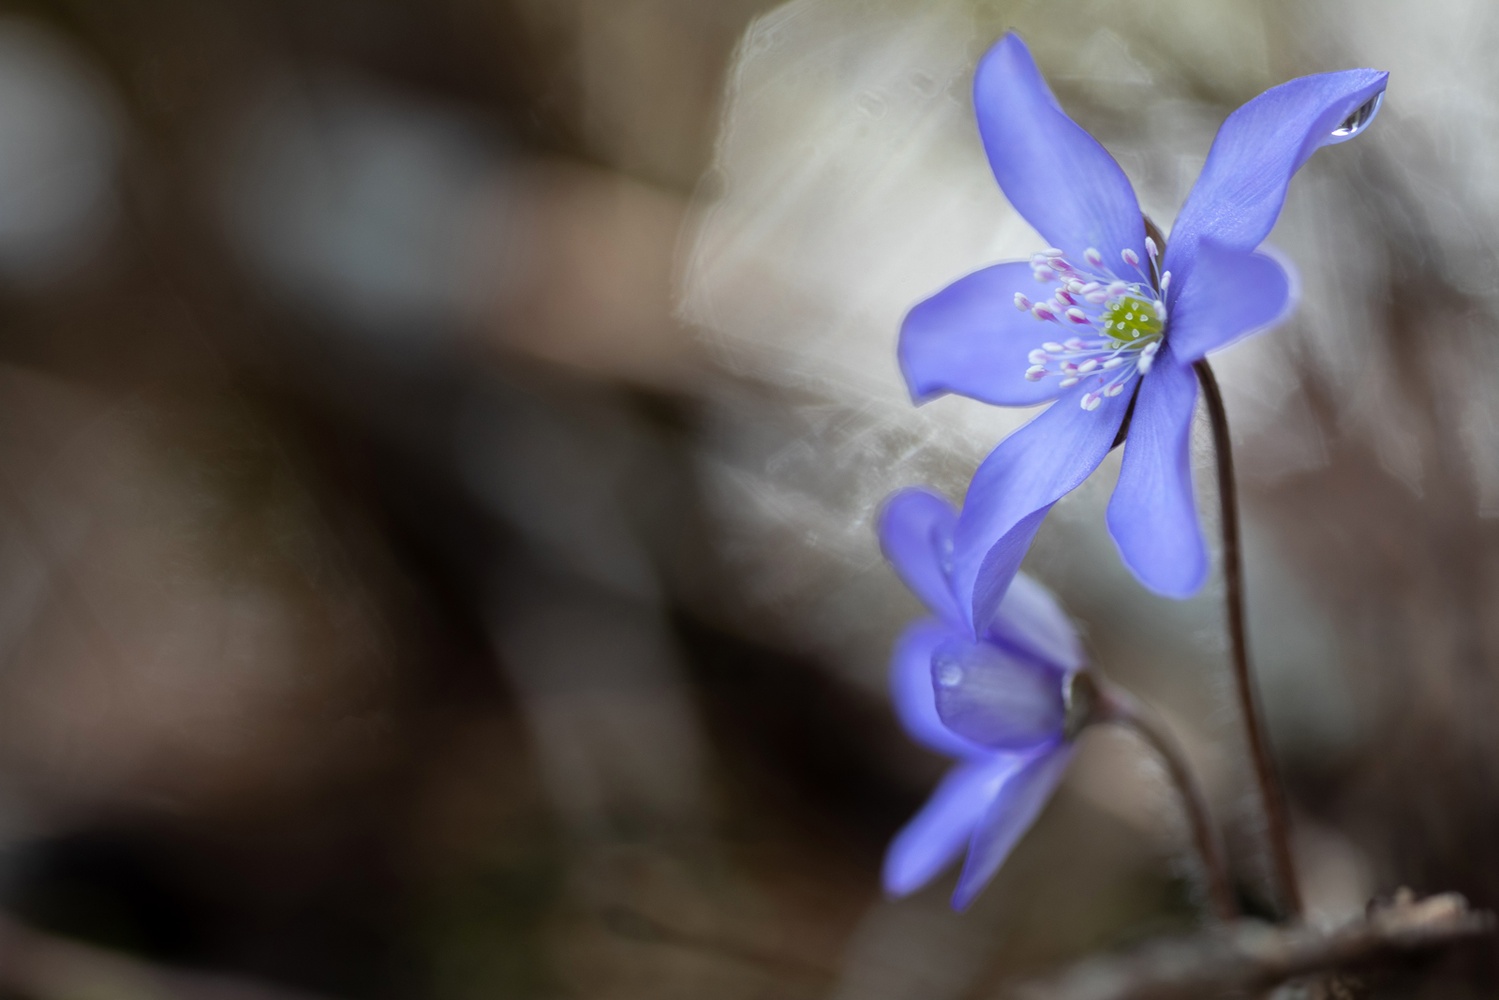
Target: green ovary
x,y
1131,322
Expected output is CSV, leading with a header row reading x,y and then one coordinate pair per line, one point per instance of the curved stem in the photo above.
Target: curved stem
x,y
1118,706
1272,799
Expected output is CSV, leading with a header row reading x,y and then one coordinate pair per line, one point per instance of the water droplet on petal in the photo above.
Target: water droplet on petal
x,y
949,672
1361,119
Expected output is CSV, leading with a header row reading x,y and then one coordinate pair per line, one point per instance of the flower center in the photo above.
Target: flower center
x,y
1119,319
1131,319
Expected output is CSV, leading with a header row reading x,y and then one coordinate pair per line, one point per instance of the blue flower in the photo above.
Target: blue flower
x,y
1107,321
995,699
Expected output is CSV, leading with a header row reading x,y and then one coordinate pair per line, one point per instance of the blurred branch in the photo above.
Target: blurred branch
x,y
42,967
1251,957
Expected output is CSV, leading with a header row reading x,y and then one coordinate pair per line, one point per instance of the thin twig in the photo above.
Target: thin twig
x,y
1118,706
1272,798
1250,956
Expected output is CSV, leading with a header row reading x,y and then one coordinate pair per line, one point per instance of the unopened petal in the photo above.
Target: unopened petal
x,y
936,835
996,697
916,535
912,694
1012,812
1030,618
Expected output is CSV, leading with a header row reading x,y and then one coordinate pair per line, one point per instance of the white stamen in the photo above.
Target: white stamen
x,y
1035,373
1097,298
1021,302
1053,347
1053,252
1065,298
1077,316
1117,289
1038,357
1160,311
1150,248
1043,311
1088,366
1165,282
1130,257
1044,273
1113,363
1076,287
1073,344
1092,256
1144,364
1091,401
1114,389
1068,382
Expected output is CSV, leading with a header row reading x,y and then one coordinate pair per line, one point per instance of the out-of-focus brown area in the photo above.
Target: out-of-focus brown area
x,y
438,450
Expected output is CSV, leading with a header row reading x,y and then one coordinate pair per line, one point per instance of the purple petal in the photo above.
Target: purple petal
x,y
971,339
1017,484
1232,293
1030,619
1153,516
1259,147
916,529
935,835
1009,816
911,690
996,697
1056,175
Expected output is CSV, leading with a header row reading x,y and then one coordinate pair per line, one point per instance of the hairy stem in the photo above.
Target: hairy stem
x,y
1272,798
1118,706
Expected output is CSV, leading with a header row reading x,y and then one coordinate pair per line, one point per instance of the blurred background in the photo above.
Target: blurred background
x,y
439,445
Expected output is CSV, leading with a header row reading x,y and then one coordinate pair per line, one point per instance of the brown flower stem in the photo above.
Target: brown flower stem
x,y
1115,705
1272,798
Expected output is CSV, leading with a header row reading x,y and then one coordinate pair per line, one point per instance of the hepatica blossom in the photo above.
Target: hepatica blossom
x,y
1107,322
994,698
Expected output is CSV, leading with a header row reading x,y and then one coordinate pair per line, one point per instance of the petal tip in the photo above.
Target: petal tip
x,y
1008,55
896,884
1177,586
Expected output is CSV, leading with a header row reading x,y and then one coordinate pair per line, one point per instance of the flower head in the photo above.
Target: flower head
x,y
1106,321
995,698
